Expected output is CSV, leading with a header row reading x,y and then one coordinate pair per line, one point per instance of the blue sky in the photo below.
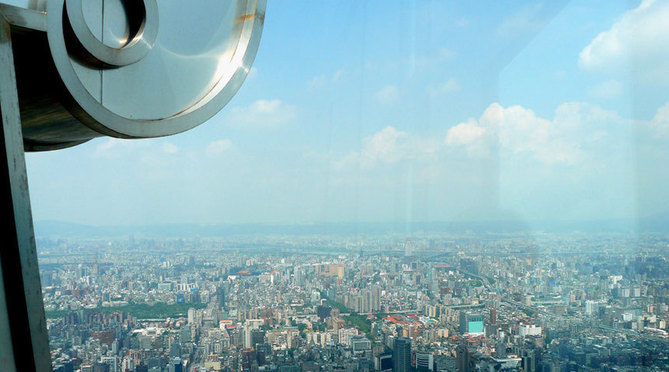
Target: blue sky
x,y
405,111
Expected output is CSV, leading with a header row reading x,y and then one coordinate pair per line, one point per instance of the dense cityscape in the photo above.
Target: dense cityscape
x,y
516,302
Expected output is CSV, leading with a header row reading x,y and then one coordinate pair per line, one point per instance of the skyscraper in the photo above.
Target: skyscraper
x,y
257,337
175,365
424,360
220,296
463,358
402,354
323,312
408,248
471,323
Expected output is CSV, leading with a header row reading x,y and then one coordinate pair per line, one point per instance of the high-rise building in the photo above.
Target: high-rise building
x,y
529,330
364,364
500,349
257,336
408,248
402,354
471,324
323,311
263,352
591,307
529,359
463,358
175,365
247,342
100,367
384,362
376,299
424,360
191,315
220,296
175,349
360,344
111,364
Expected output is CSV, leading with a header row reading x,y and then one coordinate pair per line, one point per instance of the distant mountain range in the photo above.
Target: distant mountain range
x,y
55,229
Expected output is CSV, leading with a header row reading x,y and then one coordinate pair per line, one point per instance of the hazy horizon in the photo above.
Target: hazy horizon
x,y
397,186
51,228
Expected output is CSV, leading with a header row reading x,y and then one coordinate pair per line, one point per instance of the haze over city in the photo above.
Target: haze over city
x,y
401,186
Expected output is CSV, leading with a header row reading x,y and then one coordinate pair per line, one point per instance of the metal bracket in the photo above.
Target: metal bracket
x,y
24,18
24,342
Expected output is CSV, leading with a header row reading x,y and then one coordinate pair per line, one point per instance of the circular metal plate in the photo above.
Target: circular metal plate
x,y
156,69
125,31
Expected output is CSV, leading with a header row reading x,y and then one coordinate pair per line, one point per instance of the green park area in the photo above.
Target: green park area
x,y
140,311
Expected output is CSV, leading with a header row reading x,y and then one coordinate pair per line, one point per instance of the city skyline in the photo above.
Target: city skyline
x,y
415,186
288,303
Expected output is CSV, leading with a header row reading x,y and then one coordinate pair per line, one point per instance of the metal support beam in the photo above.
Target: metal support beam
x,y
24,18
24,342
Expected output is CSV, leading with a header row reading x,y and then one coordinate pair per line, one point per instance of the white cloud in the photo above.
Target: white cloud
x,y
575,130
430,61
338,75
462,22
527,20
389,146
450,86
116,147
577,134
324,81
169,148
659,125
579,161
218,147
638,41
262,113
470,135
465,133
606,90
318,82
387,94
385,146
108,145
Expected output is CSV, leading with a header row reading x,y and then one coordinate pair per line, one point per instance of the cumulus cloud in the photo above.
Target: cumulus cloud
x,y
637,41
518,131
577,134
449,86
659,124
318,82
526,20
387,95
465,133
470,135
386,146
169,148
389,146
116,147
324,81
262,113
606,90
432,60
218,147
462,22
